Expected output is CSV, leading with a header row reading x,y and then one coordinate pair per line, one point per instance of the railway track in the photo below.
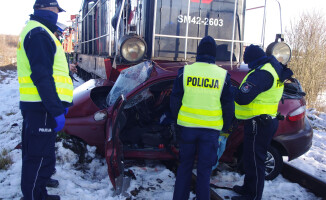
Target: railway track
x,y
291,173
312,183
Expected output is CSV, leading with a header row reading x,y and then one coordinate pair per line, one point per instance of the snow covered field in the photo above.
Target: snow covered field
x,y
153,181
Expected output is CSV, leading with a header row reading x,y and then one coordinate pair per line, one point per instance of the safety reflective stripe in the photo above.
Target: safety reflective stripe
x,y
62,79
64,91
57,79
29,91
33,91
201,111
200,118
252,110
63,86
31,98
25,80
201,123
256,108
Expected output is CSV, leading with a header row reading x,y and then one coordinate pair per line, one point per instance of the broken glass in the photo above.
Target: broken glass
x,y
129,79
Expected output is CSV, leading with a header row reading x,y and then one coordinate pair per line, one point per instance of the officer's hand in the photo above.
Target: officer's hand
x,y
73,68
60,122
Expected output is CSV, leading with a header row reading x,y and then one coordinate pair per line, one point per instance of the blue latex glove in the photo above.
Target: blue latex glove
x,y
66,111
221,147
60,122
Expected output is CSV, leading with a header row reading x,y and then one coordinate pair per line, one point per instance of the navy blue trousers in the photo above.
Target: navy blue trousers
x,y
38,153
205,143
257,138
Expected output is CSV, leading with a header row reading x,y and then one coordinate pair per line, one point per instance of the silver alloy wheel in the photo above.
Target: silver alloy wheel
x,y
269,163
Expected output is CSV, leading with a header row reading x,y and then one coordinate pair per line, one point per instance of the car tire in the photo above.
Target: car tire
x,y
274,163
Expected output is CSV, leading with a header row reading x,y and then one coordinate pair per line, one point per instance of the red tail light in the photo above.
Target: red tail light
x,y
298,114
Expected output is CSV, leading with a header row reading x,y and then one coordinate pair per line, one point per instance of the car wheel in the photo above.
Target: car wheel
x,y
76,145
274,163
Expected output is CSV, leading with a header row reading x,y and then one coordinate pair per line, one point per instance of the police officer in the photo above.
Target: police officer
x,y
257,101
45,95
202,104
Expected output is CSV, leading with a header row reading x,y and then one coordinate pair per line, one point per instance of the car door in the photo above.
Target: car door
x,y
113,147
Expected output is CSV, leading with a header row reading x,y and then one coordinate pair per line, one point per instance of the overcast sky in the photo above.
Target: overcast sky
x,y
14,14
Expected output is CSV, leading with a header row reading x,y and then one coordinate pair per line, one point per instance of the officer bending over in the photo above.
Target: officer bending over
x,y
256,102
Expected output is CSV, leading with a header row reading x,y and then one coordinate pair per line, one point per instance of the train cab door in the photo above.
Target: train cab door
x,y
114,148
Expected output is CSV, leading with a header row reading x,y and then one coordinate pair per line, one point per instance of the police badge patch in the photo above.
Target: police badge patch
x,y
246,87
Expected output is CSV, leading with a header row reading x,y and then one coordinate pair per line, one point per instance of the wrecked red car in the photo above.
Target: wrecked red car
x,y
127,119
124,112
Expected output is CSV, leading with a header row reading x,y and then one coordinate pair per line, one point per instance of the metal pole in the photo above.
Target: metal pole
x,y
233,31
279,5
263,28
110,27
154,25
187,28
90,10
117,28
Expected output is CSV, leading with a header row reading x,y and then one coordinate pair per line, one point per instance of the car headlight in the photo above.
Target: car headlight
x,y
280,50
132,48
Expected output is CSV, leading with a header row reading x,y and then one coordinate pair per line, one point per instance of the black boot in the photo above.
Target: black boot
x,y
239,189
52,183
52,197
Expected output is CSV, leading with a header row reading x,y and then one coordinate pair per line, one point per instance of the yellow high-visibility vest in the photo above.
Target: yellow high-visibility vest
x,y
201,105
63,82
266,102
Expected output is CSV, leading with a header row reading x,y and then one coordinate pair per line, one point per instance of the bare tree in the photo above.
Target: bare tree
x,y
307,37
8,47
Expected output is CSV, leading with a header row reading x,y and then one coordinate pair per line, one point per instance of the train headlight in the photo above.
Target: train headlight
x,y
280,50
132,48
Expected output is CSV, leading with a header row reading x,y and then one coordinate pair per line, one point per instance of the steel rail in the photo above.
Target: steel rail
x,y
294,175
308,181
214,195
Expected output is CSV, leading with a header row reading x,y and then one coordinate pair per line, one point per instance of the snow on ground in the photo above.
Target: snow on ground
x,y
90,180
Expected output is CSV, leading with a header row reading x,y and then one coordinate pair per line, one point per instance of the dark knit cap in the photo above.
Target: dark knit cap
x,y
252,53
207,46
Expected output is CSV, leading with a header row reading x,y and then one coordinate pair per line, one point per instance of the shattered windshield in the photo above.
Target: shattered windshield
x,y
129,79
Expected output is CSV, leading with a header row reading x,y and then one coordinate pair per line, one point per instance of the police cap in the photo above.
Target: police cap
x,y
47,3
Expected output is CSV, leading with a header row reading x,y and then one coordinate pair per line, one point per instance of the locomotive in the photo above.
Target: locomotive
x,y
115,34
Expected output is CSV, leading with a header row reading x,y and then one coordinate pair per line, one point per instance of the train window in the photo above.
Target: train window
x,y
210,17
